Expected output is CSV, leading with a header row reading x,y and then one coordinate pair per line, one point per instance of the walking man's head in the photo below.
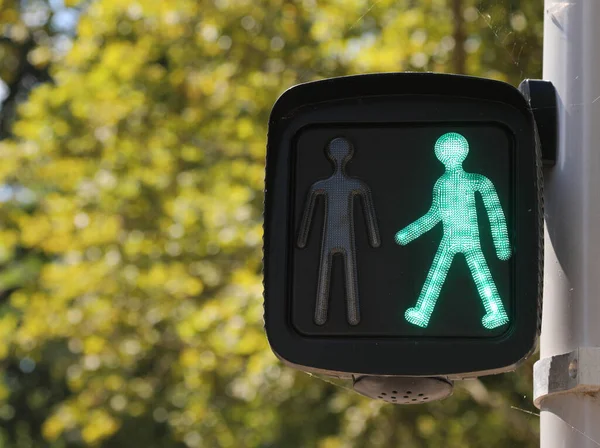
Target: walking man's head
x,y
451,149
339,151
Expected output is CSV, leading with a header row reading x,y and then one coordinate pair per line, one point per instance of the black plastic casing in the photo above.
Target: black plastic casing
x,y
382,99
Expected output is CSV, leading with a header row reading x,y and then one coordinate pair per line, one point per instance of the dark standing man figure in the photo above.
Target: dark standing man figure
x,y
339,191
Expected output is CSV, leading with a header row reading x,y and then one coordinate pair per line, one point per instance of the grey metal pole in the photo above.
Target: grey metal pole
x,y
571,316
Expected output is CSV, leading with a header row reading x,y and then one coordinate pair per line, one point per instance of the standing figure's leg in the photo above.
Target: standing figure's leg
x,y
421,313
323,286
495,313
352,302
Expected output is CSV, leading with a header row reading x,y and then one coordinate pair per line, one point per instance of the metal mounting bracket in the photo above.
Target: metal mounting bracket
x,y
542,99
569,373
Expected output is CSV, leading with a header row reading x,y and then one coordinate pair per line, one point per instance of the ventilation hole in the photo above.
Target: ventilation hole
x,y
420,395
379,396
383,393
394,391
414,399
408,392
426,398
406,396
393,398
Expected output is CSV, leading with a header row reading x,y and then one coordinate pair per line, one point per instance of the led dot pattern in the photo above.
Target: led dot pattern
x,y
454,205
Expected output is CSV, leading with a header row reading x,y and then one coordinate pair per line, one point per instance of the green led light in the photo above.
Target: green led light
x,y
454,205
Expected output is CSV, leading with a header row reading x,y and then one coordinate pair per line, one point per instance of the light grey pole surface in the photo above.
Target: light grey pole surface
x,y
571,317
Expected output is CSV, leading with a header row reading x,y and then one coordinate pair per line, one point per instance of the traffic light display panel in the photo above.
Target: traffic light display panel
x,y
403,226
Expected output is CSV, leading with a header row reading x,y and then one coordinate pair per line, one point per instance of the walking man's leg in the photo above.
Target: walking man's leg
x,y
495,313
421,313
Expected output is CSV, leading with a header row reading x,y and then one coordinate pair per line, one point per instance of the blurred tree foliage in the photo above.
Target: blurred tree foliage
x,y
130,211
33,34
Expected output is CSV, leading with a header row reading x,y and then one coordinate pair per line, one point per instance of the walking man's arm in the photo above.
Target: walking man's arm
x,y
496,217
420,226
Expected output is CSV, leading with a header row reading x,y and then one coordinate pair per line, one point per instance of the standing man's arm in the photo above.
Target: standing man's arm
x,y
496,217
370,215
309,209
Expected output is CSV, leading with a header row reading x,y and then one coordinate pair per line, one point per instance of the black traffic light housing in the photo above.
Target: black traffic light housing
x,y
383,127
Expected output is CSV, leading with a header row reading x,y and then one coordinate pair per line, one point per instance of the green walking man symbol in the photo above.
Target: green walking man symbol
x,y
454,205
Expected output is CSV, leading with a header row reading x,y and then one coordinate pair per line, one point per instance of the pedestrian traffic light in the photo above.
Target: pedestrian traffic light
x,y
402,226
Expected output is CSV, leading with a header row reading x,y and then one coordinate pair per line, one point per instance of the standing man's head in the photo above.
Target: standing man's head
x,y
451,149
339,151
